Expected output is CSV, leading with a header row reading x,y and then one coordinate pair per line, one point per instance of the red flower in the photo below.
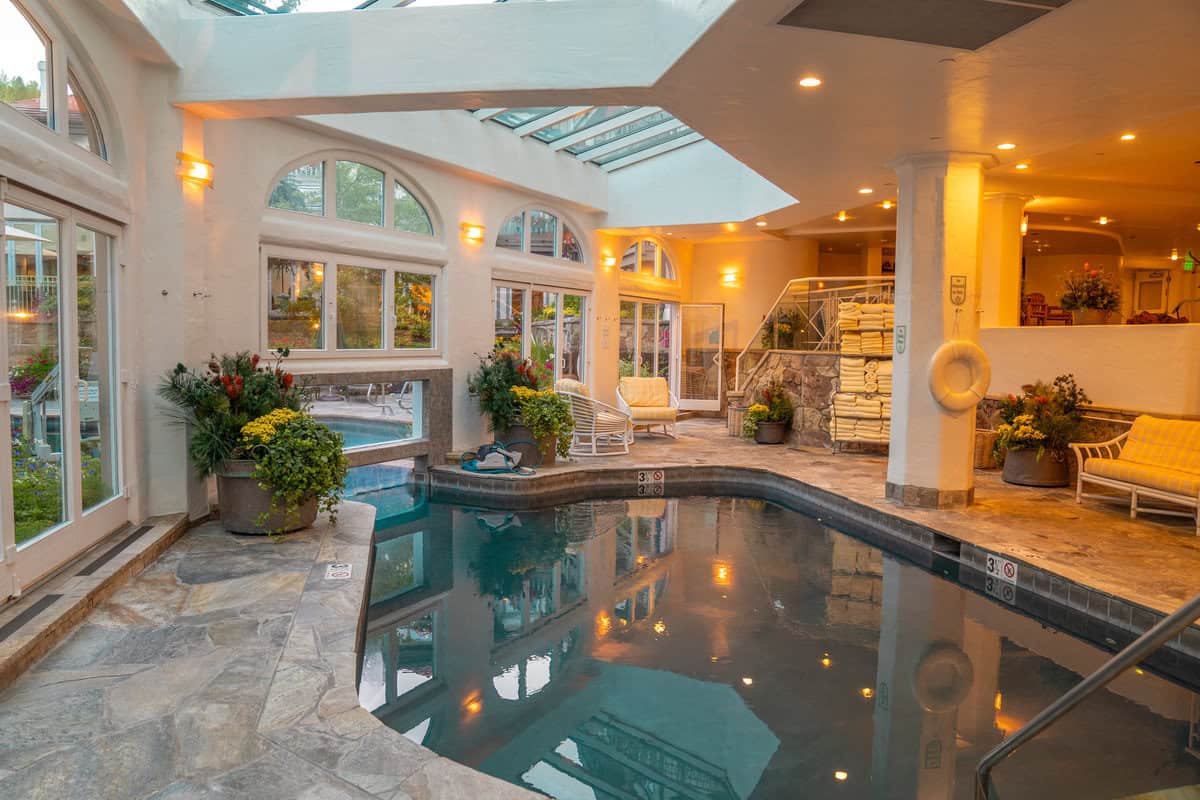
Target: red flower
x,y
1041,401
254,360
287,380
1012,398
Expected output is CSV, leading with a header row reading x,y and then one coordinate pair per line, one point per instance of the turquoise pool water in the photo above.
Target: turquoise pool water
x,y
717,648
359,432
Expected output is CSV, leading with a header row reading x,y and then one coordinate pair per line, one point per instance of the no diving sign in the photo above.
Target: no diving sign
x,y
651,482
1001,568
338,572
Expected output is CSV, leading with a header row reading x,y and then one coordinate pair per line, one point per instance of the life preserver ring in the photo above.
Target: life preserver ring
x,y
972,356
943,678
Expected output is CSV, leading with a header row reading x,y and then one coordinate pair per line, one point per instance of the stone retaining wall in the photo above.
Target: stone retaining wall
x,y
809,379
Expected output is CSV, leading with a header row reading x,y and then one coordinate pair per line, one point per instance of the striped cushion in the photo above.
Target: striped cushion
x,y
1169,443
645,392
1168,480
643,414
572,386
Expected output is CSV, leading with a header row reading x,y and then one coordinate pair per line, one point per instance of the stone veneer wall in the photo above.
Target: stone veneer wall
x,y
809,379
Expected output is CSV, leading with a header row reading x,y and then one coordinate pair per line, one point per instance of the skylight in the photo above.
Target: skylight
x,y
611,137
301,6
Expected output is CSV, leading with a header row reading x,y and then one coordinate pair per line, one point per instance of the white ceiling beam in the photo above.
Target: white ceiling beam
x,y
651,152
625,141
553,118
628,117
487,113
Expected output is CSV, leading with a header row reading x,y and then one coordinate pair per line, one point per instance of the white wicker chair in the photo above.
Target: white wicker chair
x,y
600,429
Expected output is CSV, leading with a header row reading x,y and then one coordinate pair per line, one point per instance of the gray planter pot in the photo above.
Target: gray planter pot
x,y
547,446
1089,316
1024,468
242,502
770,432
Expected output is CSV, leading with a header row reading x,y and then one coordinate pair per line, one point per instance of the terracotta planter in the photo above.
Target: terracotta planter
x,y
1089,316
1024,468
547,445
770,432
242,502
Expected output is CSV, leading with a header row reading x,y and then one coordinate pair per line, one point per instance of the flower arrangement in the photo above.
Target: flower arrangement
x,y
1044,417
1090,289
499,371
25,376
772,405
219,401
296,459
546,414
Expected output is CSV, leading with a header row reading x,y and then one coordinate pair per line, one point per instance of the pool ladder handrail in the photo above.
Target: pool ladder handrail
x,y
1146,644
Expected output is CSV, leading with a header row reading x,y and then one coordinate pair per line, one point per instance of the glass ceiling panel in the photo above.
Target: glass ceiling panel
x,y
645,144
515,117
300,6
642,124
581,122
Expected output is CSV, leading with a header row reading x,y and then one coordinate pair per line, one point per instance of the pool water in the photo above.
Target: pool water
x,y
360,432
716,648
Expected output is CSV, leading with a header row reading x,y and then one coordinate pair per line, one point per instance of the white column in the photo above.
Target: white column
x,y
1000,261
931,459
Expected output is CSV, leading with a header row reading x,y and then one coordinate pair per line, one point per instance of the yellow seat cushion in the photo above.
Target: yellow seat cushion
x,y
572,386
643,392
642,414
1169,443
1148,475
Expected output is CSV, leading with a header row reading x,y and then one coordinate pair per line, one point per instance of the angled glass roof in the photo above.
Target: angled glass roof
x,y
611,137
300,6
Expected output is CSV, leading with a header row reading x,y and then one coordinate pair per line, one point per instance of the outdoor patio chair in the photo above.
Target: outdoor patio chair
x,y
649,402
597,425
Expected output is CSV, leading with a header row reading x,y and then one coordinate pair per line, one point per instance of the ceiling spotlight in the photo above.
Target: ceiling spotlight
x,y
1103,220
841,217
1128,137
747,681
1023,165
887,205
866,190
841,775
867,692
1006,146
810,82
1174,254
762,223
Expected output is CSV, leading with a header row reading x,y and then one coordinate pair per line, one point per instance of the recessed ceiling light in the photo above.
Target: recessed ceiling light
x,y
1006,146
1128,137
1023,165
762,223
866,190
1103,220
841,775
1174,254
810,82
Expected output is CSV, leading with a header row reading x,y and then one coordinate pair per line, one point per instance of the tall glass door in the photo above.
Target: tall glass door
x,y
701,350
60,477
647,339
552,335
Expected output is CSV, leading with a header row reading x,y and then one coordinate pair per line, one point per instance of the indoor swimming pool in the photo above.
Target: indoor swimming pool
x,y
720,648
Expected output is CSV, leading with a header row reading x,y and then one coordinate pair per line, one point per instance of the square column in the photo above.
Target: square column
x,y
1000,264
931,458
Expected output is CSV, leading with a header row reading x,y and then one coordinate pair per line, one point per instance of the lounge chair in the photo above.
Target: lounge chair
x,y
597,425
649,402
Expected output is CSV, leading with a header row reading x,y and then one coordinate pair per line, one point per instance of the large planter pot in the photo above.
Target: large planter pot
x,y
1024,468
770,432
1089,316
243,502
547,445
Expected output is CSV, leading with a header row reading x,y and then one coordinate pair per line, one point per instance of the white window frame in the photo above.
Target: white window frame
x,y
659,251
526,235
331,260
527,290
672,353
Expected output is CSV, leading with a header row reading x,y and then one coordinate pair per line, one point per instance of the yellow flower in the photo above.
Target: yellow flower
x,y
523,393
758,408
262,430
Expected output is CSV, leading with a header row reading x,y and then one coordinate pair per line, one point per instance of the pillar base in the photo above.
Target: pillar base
x,y
924,497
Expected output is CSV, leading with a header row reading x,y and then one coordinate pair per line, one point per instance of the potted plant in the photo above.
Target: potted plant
x,y
499,371
547,416
1037,428
767,420
1090,296
275,465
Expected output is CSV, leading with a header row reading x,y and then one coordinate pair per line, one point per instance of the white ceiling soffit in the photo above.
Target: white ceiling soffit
x,y
437,57
964,24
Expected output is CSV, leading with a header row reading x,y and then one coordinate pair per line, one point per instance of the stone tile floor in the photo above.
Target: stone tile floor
x,y
1154,561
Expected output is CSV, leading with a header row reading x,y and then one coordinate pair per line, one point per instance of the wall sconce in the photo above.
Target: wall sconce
x,y
610,261
472,232
194,169
1024,224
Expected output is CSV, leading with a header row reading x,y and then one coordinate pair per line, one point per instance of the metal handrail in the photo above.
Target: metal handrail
x,y
1168,628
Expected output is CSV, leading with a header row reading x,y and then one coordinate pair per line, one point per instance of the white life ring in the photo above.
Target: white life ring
x,y
972,356
943,678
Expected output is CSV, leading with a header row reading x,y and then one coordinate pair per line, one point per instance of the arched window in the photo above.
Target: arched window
x,y
648,258
540,233
29,83
358,195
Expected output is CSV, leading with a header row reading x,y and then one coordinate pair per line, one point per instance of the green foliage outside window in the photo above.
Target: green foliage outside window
x,y
359,193
13,88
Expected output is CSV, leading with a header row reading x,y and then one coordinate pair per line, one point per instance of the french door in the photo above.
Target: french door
x,y
547,325
701,349
61,487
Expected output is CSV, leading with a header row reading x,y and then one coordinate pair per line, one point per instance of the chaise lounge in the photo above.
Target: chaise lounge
x,y
649,402
1156,460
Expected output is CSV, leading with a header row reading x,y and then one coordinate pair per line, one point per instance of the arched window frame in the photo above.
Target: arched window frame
x,y
391,178
663,258
564,225
63,67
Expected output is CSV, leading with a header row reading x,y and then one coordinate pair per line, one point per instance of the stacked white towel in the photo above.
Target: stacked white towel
x,y
885,406
848,316
852,343
883,377
857,406
875,431
872,343
852,374
889,342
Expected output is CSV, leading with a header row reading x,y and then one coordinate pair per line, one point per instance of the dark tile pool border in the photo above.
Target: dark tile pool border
x,y
1101,618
